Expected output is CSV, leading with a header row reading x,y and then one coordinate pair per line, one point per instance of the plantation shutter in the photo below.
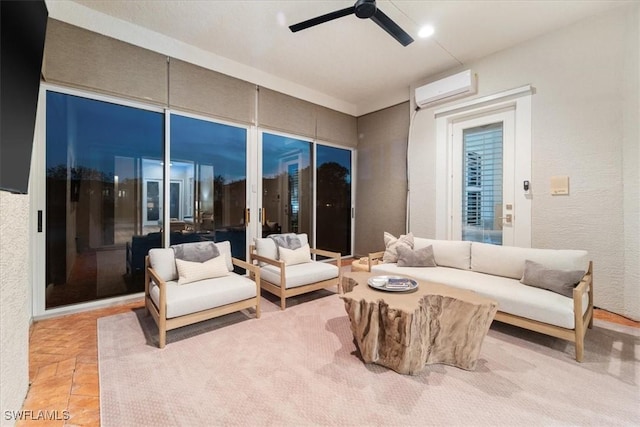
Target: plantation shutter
x,y
482,181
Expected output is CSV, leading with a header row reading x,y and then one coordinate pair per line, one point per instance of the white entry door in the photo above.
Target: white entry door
x,y
483,154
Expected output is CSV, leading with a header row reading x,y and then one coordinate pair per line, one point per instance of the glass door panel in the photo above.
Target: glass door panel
x,y
333,199
482,184
287,185
99,225
484,179
209,170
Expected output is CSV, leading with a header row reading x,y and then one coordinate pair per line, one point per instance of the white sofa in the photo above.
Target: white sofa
x,y
174,305
495,272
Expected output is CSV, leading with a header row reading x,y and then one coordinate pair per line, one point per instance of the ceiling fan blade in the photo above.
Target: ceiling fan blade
x,y
391,27
321,19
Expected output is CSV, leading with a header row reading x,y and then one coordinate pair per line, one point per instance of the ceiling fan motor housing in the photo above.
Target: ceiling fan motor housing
x,y
365,9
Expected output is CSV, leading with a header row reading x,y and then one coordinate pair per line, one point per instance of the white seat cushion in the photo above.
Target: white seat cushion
x,y
512,296
300,274
204,294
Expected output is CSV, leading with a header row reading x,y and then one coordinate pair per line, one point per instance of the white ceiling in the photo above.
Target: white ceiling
x,y
348,64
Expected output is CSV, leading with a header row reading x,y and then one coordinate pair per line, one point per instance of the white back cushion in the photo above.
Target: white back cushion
x,y
447,253
304,239
266,246
163,261
225,249
508,261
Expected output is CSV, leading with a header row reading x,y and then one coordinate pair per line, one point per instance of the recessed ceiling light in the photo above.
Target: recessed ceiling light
x,y
426,31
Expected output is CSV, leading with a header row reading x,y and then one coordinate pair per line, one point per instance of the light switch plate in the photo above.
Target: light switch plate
x,y
559,185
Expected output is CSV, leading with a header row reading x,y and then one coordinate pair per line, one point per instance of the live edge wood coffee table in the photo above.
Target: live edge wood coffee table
x,y
405,331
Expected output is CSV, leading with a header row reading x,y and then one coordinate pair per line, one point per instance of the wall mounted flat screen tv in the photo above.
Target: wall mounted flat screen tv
x,y
23,27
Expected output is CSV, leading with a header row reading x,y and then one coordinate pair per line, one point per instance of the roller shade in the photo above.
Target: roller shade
x,y
200,90
334,126
80,58
285,113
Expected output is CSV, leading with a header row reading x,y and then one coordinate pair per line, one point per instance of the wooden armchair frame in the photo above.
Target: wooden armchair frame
x,y
281,289
159,313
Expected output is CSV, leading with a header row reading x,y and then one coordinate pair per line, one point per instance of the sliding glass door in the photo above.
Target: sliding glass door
x,y
333,199
110,196
287,191
101,195
112,193
307,193
209,167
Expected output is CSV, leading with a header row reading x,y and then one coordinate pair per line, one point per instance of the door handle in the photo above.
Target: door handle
x,y
507,218
263,215
247,217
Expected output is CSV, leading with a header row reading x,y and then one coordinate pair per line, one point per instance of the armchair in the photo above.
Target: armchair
x,y
295,273
179,295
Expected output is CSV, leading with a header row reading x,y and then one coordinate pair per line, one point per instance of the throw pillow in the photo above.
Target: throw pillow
x,y
391,244
558,281
196,251
288,240
419,258
189,271
295,256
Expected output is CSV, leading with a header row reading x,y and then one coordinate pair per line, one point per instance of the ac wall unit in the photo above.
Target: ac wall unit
x,y
463,83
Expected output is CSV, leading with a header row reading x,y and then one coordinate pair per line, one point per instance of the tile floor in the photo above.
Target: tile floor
x,y
63,369
64,366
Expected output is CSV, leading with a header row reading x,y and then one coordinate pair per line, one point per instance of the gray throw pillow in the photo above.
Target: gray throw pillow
x,y
418,258
196,251
558,281
287,240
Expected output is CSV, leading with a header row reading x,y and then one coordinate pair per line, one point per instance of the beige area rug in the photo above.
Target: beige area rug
x,y
300,367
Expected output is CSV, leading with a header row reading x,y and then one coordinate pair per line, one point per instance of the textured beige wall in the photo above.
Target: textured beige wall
x,y
584,125
15,314
631,166
381,186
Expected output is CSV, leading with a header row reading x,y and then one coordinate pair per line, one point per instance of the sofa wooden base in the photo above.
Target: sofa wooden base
x,y
582,322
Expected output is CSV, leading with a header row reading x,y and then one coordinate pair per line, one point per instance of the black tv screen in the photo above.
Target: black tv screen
x,y
23,27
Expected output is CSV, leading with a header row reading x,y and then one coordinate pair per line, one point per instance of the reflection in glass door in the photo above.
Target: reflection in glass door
x,y
333,199
98,226
209,162
289,176
287,195
152,199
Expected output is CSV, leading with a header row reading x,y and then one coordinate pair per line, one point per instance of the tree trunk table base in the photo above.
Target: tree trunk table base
x,y
406,331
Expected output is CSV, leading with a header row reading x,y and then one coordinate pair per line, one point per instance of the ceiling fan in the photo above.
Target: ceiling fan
x,y
363,9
